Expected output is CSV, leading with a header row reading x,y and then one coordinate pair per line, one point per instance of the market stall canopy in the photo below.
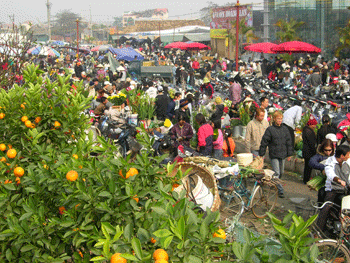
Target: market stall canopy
x,y
196,46
127,54
296,47
188,46
44,51
57,43
177,45
84,50
264,47
101,48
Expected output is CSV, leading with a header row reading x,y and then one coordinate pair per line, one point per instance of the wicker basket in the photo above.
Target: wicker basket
x,y
207,177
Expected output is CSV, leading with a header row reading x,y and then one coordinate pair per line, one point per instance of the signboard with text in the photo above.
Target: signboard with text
x,y
222,17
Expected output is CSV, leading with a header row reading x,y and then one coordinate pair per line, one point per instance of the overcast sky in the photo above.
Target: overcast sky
x,y
101,10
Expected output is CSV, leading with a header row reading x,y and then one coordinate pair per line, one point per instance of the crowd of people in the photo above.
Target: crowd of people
x,y
273,134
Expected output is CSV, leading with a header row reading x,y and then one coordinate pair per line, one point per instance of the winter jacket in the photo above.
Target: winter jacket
x,y
205,139
278,139
218,113
185,132
254,134
161,106
309,142
315,161
218,143
323,131
171,110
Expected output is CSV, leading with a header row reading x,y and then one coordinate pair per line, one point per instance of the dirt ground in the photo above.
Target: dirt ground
x,y
294,191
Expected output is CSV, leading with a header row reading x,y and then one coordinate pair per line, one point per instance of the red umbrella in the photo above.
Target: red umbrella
x,y
196,46
296,47
177,45
264,47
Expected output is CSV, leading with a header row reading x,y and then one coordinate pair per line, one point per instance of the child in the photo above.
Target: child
x,y
229,145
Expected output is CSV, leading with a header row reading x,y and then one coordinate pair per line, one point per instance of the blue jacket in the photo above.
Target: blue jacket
x,y
171,110
315,161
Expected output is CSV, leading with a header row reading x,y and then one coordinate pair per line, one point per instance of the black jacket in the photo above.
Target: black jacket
x,y
323,131
278,139
218,113
309,142
161,106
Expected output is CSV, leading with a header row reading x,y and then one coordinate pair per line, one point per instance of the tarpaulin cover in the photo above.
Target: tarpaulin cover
x,y
127,53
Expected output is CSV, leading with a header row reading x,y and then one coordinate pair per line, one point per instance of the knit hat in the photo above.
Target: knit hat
x,y
311,122
183,103
218,100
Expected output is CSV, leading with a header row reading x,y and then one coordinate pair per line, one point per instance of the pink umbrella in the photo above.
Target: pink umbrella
x,y
101,48
177,45
264,47
197,46
296,47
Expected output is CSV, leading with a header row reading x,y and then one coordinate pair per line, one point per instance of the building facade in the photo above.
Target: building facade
x,y
321,17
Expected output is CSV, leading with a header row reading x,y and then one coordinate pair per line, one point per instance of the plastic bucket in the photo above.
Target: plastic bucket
x,y
236,131
244,159
202,194
133,119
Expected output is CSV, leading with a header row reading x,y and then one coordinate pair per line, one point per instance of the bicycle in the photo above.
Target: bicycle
x,y
237,198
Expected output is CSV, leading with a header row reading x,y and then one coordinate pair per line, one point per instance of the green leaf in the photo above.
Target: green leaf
x,y
67,223
105,232
167,242
27,248
246,235
159,210
128,232
181,227
10,187
25,216
129,257
99,258
105,194
282,230
143,235
162,233
136,245
193,259
204,231
106,247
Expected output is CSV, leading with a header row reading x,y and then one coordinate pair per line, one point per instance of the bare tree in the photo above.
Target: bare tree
x,y
14,44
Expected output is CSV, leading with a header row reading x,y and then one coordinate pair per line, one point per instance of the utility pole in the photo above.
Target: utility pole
x,y
77,37
266,23
48,5
160,41
90,22
237,33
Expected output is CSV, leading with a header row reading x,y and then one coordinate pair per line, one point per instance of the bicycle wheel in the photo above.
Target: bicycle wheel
x,y
332,251
232,204
264,199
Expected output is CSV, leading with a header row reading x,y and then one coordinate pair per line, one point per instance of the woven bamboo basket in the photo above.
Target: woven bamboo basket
x,y
207,177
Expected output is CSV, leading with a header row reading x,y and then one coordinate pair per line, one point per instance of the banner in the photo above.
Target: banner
x,y
218,33
223,16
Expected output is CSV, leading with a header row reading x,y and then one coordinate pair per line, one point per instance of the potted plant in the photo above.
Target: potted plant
x,y
245,118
